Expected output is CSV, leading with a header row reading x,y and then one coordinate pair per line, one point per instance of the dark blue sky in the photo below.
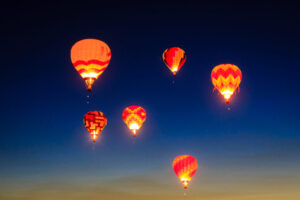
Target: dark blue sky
x,y
43,98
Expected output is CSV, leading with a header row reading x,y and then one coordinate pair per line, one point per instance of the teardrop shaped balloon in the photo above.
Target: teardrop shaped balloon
x,y
94,122
174,58
134,117
226,78
185,167
90,58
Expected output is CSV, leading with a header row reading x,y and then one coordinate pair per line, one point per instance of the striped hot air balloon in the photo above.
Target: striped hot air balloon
x,y
90,58
226,78
174,58
185,167
134,117
94,122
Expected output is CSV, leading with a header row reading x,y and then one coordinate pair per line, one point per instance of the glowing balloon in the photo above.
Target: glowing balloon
x,y
90,58
185,167
94,122
226,78
134,117
174,58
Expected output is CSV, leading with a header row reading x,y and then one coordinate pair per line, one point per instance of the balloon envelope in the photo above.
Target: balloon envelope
x,y
174,58
134,117
185,167
94,122
90,58
226,78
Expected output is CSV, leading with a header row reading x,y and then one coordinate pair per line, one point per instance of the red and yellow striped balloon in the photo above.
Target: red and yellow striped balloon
x,y
90,58
185,167
174,58
134,117
226,78
94,122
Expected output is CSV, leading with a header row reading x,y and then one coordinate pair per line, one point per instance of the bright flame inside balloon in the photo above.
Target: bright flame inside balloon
x,y
174,68
134,127
227,94
89,82
94,135
89,75
185,182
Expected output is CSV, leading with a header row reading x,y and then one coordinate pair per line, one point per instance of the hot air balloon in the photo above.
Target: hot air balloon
x,y
226,78
94,122
185,167
174,58
134,117
90,58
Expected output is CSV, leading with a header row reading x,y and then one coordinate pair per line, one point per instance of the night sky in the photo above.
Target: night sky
x,y
248,150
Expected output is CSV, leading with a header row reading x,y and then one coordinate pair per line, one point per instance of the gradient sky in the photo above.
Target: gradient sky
x,y
248,150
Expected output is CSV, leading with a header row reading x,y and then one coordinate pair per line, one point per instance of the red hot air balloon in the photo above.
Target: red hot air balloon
x,y
94,122
226,78
134,117
185,167
174,58
90,58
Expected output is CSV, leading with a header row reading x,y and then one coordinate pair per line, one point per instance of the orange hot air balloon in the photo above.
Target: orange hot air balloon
x,y
226,78
185,167
134,117
174,58
94,122
90,58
